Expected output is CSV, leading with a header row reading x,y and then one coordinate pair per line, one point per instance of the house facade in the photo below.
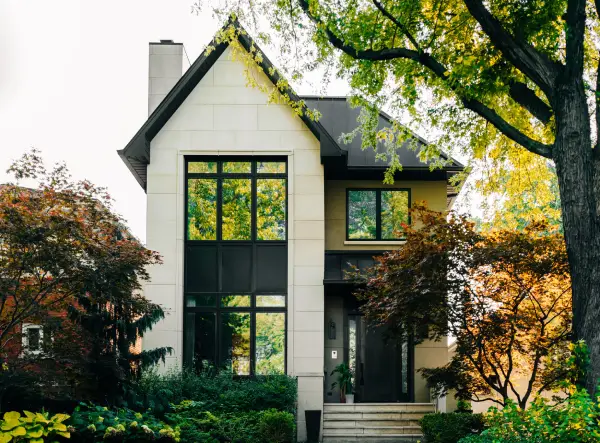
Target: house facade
x,y
258,210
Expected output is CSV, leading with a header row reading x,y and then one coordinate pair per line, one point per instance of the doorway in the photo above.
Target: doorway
x,y
382,366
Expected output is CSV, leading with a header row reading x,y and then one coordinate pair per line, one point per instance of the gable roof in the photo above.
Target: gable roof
x,y
337,116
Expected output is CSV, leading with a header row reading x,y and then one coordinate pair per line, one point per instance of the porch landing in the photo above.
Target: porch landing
x,y
374,422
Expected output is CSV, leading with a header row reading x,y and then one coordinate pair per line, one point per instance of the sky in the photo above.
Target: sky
x,y
74,83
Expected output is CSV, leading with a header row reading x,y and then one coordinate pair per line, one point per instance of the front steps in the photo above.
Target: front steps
x,y
374,422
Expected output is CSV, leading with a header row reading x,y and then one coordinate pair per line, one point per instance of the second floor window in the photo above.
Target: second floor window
x,y
377,214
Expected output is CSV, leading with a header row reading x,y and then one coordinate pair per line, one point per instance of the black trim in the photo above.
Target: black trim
x,y
136,155
377,191
219,243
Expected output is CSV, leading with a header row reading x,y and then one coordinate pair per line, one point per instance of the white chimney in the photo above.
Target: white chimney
x,y
167,63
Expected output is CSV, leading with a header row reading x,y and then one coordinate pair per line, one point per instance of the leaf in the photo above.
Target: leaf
x,y
11,416
18,432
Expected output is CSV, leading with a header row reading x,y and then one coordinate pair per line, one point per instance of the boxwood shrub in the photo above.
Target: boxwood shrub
x,y
450,427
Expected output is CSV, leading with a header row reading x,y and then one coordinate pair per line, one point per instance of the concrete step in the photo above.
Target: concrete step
x,y
379,407
395,430
352,424
389,438
373,415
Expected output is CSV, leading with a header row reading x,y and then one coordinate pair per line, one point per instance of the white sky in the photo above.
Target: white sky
x,y
74,83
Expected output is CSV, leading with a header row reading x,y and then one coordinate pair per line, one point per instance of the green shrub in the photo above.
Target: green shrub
x,y
451,427
219,393
95,423
574,420
32,427
197,424
277,427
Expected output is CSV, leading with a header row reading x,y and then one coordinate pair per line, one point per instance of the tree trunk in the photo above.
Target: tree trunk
x,y
578,177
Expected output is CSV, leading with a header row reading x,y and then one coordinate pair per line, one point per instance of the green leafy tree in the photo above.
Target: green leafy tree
x,y
495,77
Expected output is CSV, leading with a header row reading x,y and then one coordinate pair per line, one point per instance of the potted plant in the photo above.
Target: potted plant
x,y
344,381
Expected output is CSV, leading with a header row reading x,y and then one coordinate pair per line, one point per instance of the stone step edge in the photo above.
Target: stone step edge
x,y
368,419
378,404
381,427
326,434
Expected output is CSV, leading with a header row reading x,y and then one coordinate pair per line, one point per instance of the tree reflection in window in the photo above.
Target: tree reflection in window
x,y
271,211
362,215
235,342
237,209
270,343
394,213
377,214
202,209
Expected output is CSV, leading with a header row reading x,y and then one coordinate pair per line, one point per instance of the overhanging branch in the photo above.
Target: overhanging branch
x,y
535,65
524,96
440,71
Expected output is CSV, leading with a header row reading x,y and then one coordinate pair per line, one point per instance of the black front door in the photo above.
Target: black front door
x,y
381,365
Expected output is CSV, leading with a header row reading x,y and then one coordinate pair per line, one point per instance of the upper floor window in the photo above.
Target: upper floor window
x,y
243,200
377,214
35,338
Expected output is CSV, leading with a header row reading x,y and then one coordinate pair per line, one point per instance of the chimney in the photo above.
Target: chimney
x,y
167,61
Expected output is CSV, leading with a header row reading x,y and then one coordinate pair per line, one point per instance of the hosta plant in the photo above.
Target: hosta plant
x,y
32,427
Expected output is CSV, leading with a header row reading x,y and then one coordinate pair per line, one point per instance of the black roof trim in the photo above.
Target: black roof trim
x,y
137,152
136,155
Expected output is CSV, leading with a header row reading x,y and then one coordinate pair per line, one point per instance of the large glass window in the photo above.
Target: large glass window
x,y
377,214
236,264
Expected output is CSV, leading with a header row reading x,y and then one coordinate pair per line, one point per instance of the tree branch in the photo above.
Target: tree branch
x,y
440,71
575,31
400,26
524,96
535,65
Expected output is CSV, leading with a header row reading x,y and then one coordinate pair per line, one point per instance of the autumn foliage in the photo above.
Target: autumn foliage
x,y
67,262
504,295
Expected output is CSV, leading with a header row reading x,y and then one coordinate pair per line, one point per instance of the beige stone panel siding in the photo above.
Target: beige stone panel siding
x,y
222,116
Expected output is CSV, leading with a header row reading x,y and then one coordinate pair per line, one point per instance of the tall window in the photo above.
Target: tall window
x,y
236,264
377,214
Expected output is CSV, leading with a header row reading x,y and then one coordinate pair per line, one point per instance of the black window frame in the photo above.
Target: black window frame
x,y
377,191
218,310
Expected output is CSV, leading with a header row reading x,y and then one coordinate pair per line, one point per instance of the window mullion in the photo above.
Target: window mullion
x,y
378,214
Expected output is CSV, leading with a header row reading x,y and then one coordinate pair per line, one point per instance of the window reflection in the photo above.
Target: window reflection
x,y
235,301
394,213
200,340
235,342
270,213
202,209
362,216
270,167
202,167
237,167
270,343
237,205
270,301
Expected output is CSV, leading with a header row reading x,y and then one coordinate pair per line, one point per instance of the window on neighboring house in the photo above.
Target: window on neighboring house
x,y
35,338
377,214
235,281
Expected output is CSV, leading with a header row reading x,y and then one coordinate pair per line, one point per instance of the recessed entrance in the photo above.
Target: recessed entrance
x,y
380,364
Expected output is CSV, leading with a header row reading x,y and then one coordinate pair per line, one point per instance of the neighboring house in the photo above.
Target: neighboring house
x,y
258,212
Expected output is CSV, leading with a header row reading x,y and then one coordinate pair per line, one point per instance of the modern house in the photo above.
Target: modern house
x,y
258,210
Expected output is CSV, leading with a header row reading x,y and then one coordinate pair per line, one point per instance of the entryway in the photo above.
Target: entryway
x,y
381,364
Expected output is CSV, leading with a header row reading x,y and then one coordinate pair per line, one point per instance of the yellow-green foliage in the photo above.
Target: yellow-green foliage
x,y
36,427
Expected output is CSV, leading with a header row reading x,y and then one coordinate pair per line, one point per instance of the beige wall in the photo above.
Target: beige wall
x,y
433,192
222,116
